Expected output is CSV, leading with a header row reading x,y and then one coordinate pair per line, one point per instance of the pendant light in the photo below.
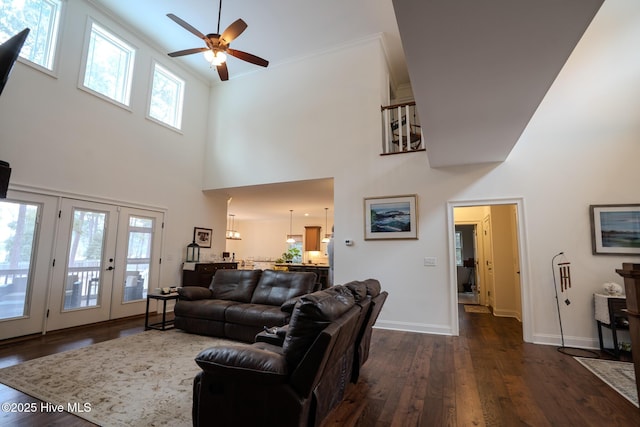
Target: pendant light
x,y
290,238
232,234
326,229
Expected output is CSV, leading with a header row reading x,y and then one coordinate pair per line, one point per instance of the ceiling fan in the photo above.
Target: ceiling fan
x,y
217,45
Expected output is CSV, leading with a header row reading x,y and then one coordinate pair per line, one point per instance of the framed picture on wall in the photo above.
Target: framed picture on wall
x,y
394,217
615,229
202,236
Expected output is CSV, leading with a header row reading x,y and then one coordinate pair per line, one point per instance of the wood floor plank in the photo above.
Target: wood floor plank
x,y
485,377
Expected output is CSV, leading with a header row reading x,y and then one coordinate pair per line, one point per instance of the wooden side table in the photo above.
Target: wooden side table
x,y
610,312
164,324
631,274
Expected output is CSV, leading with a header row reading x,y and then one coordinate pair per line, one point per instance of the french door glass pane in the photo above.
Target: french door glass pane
x,y
17,236
86,245
140,238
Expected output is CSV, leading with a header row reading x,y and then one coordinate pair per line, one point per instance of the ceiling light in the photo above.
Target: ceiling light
x,y
215,58
290,238
232,234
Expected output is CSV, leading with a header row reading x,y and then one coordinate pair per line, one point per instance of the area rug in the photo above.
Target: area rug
x,y
618,375
476,309
143,379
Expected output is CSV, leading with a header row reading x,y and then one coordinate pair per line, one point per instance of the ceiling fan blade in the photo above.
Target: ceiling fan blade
x,y
188,51
223,72
248,57
233,31
186,26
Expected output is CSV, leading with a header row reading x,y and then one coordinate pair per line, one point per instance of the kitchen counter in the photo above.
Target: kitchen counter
x,y
321,270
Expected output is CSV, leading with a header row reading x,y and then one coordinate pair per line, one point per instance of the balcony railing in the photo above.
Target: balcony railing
x,y
401,129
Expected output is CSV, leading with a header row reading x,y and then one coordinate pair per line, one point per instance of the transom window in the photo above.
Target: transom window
x,y
109,65
167,96
42,17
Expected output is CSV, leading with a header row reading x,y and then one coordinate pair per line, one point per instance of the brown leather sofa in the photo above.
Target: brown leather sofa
x,y
296,375
240,303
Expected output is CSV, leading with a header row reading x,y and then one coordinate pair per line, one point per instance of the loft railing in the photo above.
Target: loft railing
x,y
402,132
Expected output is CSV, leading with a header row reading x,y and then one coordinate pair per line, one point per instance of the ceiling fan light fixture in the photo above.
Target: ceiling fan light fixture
x,y
215,58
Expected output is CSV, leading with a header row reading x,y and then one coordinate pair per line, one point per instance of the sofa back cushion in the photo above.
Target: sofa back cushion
x,y
234,285
364,288
311,315
276,287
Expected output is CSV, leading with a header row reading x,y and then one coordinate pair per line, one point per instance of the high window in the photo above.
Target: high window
x,y
42,17
167,95
108,65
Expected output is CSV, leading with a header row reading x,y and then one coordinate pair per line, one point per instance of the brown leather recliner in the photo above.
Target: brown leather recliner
x,y
265,384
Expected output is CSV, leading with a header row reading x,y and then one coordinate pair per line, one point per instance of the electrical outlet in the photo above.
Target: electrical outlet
x,y
430,261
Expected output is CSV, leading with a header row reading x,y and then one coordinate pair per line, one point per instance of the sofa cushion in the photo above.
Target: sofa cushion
x,y
258,364
234,285
194,293
256,315
312,314
276,287
210,309
363,288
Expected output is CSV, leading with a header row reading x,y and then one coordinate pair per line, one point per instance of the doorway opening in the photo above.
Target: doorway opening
x,y
488,246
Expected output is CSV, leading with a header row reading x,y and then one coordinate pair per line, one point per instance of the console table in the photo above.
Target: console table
x,y
631,274
201,273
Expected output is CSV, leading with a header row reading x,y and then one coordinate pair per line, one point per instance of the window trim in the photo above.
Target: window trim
x,y
157,63
85,57
56,43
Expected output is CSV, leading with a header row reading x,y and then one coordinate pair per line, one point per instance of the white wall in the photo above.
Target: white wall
x,y
61,138
580,148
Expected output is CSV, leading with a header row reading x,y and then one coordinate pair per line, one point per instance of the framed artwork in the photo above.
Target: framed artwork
x,y
615,229
392,217
202,236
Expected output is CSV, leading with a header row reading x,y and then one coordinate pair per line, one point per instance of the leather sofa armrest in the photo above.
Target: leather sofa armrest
x,y
273,336
242,362
194,293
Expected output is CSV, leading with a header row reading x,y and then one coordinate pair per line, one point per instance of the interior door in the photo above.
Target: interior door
x,y
27,222
137,266
83,265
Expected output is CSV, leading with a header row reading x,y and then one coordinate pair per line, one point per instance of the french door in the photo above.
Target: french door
x,y
83,265
137,268
27,224
105,261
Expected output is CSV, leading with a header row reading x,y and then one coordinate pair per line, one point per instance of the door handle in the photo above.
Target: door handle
x,y
110,268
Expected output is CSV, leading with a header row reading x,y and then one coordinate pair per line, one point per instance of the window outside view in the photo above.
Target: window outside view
x,y
42,17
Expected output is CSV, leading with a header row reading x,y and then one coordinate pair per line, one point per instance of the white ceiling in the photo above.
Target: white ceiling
x,y
479,69
278,30
270,201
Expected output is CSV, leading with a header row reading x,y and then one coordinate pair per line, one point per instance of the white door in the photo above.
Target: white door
x,y
486,297
137,265
27,224
84,263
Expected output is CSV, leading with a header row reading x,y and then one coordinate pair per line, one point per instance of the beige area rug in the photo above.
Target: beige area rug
x,y
143,379
476,309
618,375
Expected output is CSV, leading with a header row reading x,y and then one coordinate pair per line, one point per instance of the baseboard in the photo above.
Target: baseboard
x,y
420,328
556,340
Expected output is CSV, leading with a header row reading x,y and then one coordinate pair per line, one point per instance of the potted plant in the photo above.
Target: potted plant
x,y
291,254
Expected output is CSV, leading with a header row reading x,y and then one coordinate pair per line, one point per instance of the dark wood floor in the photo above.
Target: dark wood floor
x,y
485,377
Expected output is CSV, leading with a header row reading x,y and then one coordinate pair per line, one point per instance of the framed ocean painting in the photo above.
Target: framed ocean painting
x,y
615,229
394,217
